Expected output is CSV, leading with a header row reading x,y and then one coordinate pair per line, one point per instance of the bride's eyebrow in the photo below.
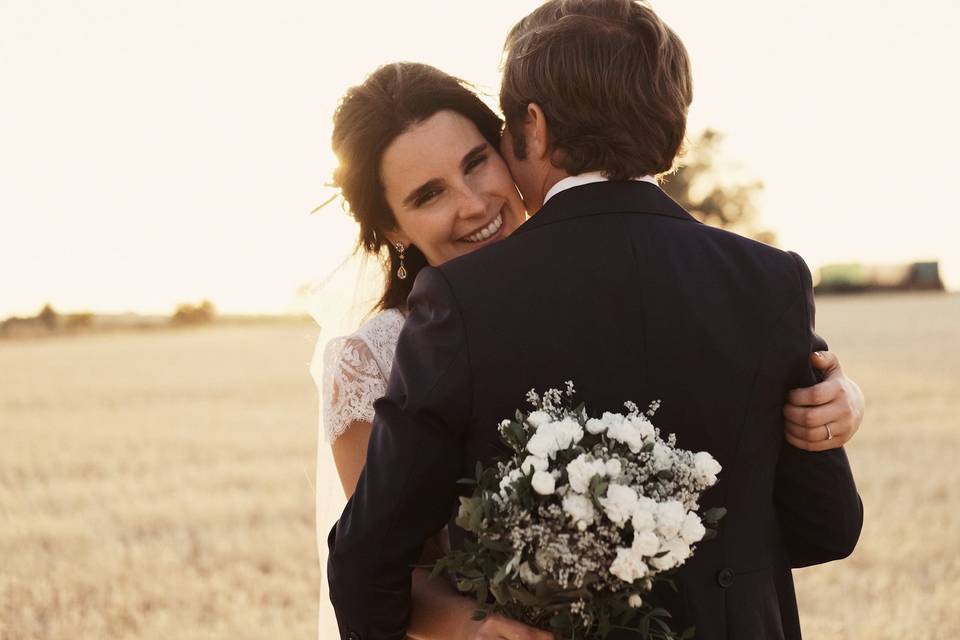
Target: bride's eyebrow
x,y
423,189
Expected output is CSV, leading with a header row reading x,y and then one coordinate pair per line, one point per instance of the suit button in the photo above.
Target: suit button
x,y
725,578
353,636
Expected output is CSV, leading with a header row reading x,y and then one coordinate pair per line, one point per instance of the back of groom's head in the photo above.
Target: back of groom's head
x,y
613,82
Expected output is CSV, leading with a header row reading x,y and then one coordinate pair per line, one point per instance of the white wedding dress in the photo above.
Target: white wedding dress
x,y
350,373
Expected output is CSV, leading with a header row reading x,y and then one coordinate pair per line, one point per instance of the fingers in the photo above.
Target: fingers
x,y
821,393
821,445
837,410
825,361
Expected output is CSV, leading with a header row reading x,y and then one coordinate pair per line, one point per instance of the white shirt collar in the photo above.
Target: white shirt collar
x,y
586,178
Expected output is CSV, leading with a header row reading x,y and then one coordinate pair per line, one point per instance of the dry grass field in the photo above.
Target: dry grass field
x,y
158,485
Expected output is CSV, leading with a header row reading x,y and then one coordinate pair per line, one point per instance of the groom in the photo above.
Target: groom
x,y
614,286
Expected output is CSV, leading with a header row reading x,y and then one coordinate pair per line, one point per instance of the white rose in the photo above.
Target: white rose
x,y
662,457
677,553
538,418
642,520
635,601
619,503
614,468
644,426
628,566
646,543
542,444
706,467
622,431
509,479
692,530
535,463
579,507
543,483
595,426
581,470
670,516
568,432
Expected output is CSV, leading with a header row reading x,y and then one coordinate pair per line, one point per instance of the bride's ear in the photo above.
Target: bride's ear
x,y
396,235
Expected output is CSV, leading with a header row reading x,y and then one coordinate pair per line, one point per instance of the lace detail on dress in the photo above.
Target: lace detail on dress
x,y
355,372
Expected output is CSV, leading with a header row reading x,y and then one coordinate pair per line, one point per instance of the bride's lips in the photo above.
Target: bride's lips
x,y
490,231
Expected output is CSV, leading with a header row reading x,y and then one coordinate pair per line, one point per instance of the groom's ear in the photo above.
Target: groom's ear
x,y
535,130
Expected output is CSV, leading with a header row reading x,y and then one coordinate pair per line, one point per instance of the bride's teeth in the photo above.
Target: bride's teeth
x,y
487,231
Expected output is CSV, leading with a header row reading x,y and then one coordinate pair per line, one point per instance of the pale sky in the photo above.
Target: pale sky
x,y
155,152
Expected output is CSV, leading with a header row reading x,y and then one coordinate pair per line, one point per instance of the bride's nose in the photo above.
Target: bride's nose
x,y
472,204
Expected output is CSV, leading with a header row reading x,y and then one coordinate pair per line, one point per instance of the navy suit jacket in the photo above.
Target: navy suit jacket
x,y
614,286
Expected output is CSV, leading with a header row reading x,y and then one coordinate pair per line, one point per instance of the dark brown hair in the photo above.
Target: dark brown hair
x,y
367,120
612,79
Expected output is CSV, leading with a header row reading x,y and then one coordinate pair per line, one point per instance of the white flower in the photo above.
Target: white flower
x,y
670,516
595,426
538,418
581,471
619,503
644,426
528,575
662,457
692,530
543,483
568,432
645,543
628,566
706,467
542,444
579,507
551,437
635,601
642,520
623,431
535,463
614,468
677,553
509,479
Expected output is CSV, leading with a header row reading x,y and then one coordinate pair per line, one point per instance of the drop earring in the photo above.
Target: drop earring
x,y
402,271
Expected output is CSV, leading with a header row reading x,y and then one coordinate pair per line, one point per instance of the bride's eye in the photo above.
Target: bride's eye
x,y
426,197
476,162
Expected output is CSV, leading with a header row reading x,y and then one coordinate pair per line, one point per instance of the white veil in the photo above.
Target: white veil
x,y
339,302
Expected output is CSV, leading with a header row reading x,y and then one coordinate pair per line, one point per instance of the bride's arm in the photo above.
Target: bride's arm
x,y
439,611
350,453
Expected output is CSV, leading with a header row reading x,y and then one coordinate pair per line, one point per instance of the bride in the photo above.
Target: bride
x,y
420,170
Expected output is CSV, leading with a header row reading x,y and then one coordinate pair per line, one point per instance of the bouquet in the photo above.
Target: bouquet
x,y
573,528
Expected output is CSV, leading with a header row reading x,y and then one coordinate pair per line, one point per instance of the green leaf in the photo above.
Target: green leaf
x,y
665,474
478,614
714,515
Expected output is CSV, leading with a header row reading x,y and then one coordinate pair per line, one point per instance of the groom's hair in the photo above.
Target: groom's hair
x,y
612,79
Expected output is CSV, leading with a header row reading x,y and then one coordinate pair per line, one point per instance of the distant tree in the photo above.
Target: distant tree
x,y
701,188
194,314
79,320
48,317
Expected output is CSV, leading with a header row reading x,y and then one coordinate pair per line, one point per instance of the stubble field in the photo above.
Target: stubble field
x,y
159,485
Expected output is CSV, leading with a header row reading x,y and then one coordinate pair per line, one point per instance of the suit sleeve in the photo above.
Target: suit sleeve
x,y
407,490
819,509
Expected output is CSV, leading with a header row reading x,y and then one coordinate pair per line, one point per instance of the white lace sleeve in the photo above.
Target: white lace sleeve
x,y
352,380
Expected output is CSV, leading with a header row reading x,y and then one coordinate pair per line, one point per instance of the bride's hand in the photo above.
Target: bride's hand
x,y
833,407
497,627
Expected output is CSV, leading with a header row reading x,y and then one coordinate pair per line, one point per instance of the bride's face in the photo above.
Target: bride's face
x,y
450,191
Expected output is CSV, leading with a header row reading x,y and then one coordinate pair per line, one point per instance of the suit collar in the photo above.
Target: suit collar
x,y
606,197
